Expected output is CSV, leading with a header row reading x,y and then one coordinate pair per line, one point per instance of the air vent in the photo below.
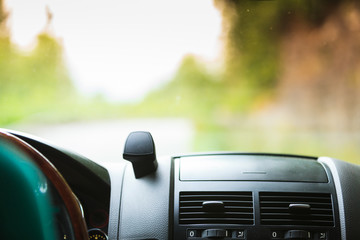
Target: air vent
x,y
307,209
216,208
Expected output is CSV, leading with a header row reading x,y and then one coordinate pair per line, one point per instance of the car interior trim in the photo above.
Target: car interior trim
x,y
329,162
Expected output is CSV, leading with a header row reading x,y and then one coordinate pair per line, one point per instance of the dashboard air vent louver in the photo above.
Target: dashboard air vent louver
x,y
216,208
307,209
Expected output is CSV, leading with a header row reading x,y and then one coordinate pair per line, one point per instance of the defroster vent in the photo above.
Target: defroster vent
x,y
216,208
306,209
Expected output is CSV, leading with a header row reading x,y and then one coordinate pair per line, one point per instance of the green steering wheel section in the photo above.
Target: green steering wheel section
x,y
25,203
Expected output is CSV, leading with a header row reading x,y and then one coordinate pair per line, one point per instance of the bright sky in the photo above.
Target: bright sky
x,y
122,48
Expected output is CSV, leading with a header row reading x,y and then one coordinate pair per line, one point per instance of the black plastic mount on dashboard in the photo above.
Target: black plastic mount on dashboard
x,y
140,151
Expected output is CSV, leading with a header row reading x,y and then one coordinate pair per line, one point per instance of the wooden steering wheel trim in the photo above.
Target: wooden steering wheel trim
x,y
53,175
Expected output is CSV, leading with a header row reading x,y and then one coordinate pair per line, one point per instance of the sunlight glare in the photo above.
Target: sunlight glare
x,y
121,49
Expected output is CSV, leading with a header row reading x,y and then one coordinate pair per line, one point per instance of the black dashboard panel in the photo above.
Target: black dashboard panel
x,y
226,196
274,199
89,181
347,181
251,167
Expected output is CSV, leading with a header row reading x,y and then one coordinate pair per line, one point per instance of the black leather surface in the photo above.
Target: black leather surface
x,y
251,168
116,171
349,179
144,206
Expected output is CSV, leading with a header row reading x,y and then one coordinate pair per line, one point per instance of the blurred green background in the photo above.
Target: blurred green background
x,y
288,80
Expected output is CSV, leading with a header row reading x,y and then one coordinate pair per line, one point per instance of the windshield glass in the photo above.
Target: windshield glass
x,y
251,76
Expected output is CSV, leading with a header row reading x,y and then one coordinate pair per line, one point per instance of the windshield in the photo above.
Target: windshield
x,y
250,76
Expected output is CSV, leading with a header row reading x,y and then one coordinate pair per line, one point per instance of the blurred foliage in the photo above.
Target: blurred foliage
x,y
254,31
253,36
260,101
194,92
288,82
32,82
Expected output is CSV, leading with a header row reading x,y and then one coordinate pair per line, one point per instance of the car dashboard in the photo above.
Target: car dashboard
x,y
230,196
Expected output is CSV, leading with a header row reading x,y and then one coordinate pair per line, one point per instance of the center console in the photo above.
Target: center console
x,y
253,197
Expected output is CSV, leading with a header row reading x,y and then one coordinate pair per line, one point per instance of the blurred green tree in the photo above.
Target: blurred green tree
x,y
253,34
31,82
193,92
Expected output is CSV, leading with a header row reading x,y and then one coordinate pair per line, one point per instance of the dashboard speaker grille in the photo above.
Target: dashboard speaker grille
x,y
315,209
235,208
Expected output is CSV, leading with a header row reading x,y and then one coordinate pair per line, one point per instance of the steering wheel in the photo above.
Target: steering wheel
x,y
26,207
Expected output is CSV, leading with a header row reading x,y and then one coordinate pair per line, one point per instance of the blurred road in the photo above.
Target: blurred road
x,y
104,140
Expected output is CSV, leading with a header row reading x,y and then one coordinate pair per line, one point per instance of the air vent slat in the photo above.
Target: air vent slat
x,y
294,222
216,197
227,209
274,209
217,221
297,198
286,210
237,208
231,203
288,202
291,216
216,215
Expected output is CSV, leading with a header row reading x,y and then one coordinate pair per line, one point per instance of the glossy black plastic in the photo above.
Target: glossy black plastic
x,y
140,151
